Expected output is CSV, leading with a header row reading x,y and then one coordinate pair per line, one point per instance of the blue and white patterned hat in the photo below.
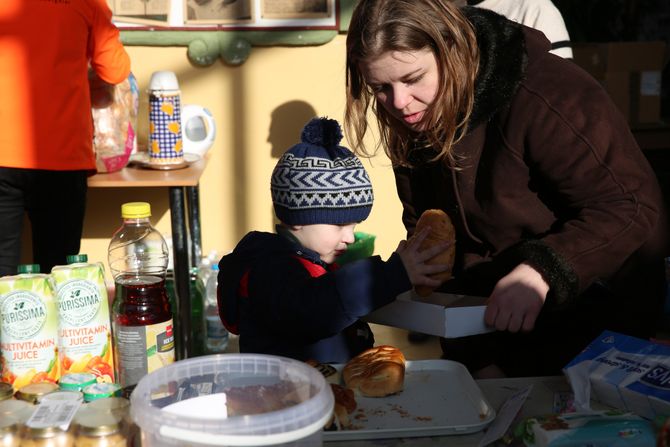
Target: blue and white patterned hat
x,y
319,182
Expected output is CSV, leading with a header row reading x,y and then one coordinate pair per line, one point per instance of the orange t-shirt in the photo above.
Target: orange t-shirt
x,y
45,107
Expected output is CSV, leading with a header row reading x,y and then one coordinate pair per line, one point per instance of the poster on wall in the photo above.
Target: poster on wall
x,y
151,12
225,14
287,9
218,11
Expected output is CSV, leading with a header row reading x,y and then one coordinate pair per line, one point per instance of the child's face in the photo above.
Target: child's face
x,y
329,241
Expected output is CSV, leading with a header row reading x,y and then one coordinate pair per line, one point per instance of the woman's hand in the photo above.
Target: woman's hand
x,y
516,300
414,260
102,93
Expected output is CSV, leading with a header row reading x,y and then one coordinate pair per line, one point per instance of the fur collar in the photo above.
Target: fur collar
x,y
502,63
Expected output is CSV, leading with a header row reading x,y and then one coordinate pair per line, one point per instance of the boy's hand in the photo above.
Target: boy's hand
x,y
414,260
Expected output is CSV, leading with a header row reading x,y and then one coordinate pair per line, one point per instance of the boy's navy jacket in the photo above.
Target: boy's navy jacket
x,y
283,300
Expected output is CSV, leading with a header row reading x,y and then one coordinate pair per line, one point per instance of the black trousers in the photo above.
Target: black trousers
x,y
55,202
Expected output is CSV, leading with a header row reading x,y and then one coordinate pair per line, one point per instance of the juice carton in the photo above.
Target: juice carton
x,y
28,328
84,327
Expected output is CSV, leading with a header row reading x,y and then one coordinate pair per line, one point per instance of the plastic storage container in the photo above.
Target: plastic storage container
x,y
363,247
233,400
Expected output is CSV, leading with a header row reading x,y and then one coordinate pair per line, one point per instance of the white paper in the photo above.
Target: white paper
x,y
212,406
506,416
51,413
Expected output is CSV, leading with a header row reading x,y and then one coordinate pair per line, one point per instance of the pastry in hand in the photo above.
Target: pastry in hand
x,y
376,372
441,230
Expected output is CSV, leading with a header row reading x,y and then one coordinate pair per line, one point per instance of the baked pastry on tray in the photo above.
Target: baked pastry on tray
x,y
376,372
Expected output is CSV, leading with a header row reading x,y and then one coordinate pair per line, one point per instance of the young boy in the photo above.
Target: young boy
x,y
283,293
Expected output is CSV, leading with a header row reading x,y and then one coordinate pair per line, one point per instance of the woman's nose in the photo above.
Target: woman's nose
x,y
401,97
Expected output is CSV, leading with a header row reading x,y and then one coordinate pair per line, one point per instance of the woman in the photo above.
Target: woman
x,y
558,215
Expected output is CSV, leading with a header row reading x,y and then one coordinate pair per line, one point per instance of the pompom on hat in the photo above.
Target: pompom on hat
x,y
317,181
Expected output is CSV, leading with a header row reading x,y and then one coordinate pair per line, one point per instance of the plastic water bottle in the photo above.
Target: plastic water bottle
x,y
141,313
216,340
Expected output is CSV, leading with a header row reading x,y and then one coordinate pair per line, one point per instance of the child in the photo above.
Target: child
x,y
283,293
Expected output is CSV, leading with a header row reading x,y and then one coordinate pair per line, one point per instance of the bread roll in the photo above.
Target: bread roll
x,y
345,404
376,372
441,230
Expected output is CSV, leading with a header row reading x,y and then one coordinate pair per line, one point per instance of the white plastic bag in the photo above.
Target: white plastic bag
x,y
114,136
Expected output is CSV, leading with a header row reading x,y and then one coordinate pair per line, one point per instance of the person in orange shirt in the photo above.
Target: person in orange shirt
x,y
46,128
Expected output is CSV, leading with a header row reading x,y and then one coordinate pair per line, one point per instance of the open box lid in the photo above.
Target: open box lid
x,y
442,314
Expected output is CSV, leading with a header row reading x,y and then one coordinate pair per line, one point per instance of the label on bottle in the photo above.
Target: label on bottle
x,y
143,349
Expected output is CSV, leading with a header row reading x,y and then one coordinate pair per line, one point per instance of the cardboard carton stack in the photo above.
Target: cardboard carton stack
x,y
631,74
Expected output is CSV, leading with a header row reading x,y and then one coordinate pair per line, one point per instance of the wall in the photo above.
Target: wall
x,y
259,107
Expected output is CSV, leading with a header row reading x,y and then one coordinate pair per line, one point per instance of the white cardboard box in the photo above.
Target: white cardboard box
x,y
442,314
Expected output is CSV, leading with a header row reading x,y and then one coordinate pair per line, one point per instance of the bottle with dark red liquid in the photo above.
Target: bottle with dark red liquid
x,y
141,314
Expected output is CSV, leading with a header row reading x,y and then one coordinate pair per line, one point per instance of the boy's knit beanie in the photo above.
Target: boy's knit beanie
x,y
319,182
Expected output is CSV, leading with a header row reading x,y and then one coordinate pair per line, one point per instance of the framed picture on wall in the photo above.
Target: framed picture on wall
x,y
296,9
151,12
215,15
218,11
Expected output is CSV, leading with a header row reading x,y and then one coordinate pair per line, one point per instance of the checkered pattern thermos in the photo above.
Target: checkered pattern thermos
x,y
165,138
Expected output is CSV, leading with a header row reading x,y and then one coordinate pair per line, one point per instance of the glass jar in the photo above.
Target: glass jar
x,y
15,410
33,392
9,433
120,408
51,436
6,391
99,428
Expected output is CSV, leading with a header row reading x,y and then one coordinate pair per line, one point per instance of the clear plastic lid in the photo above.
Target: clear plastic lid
x,y
232,399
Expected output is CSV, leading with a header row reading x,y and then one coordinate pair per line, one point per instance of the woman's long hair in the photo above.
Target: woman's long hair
x,y
380,26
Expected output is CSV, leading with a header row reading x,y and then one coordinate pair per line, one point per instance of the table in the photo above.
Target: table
x,y
184,198
496,391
